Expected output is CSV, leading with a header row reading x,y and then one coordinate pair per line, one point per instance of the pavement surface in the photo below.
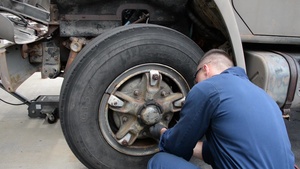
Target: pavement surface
x,y
27,143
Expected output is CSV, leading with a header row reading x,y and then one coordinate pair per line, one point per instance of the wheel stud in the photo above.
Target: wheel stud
x,y
163,93
155,77
167,118
124,143
124,119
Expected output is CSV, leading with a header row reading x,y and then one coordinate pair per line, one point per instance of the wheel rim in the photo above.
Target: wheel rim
x,y
137,99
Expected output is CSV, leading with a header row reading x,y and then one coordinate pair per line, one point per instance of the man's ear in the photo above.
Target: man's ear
x,y
206,70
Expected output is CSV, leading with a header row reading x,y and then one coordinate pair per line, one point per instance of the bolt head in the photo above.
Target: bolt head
x,y
163,93
167,118
124,143
155,77
124,119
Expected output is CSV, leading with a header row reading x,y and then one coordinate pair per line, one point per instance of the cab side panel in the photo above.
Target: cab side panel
x,y
270,17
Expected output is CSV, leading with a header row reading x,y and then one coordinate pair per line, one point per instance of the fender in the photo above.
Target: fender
x,y
226,11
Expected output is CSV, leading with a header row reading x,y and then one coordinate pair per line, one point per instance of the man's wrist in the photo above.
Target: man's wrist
x,y
162,130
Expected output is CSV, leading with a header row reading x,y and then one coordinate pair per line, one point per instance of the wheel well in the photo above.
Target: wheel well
x,y
200,20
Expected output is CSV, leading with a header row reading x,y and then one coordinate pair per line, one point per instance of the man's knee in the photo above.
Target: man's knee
x,y
164,160
156,161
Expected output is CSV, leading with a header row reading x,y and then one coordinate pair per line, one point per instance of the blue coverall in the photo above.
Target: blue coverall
x,y
243,126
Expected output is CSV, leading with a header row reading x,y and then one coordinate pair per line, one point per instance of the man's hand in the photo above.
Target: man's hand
x,y
198,150
155,130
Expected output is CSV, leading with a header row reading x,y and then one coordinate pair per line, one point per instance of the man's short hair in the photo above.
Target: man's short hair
x,y
213,52
218,57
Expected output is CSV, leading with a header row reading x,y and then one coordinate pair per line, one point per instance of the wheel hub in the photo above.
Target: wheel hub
x,y
151,115
139,98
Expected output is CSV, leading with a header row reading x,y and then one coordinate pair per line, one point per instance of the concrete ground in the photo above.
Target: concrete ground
x,y
33,143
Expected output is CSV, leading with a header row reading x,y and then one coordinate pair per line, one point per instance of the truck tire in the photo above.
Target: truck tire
x,y
120,84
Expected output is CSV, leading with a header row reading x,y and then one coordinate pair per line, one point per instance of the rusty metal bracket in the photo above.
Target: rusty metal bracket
x,y
51,60
75,47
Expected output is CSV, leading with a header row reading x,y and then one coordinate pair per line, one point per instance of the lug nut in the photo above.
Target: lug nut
x,y
155,77
124,143
124,119
167,118
163,93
